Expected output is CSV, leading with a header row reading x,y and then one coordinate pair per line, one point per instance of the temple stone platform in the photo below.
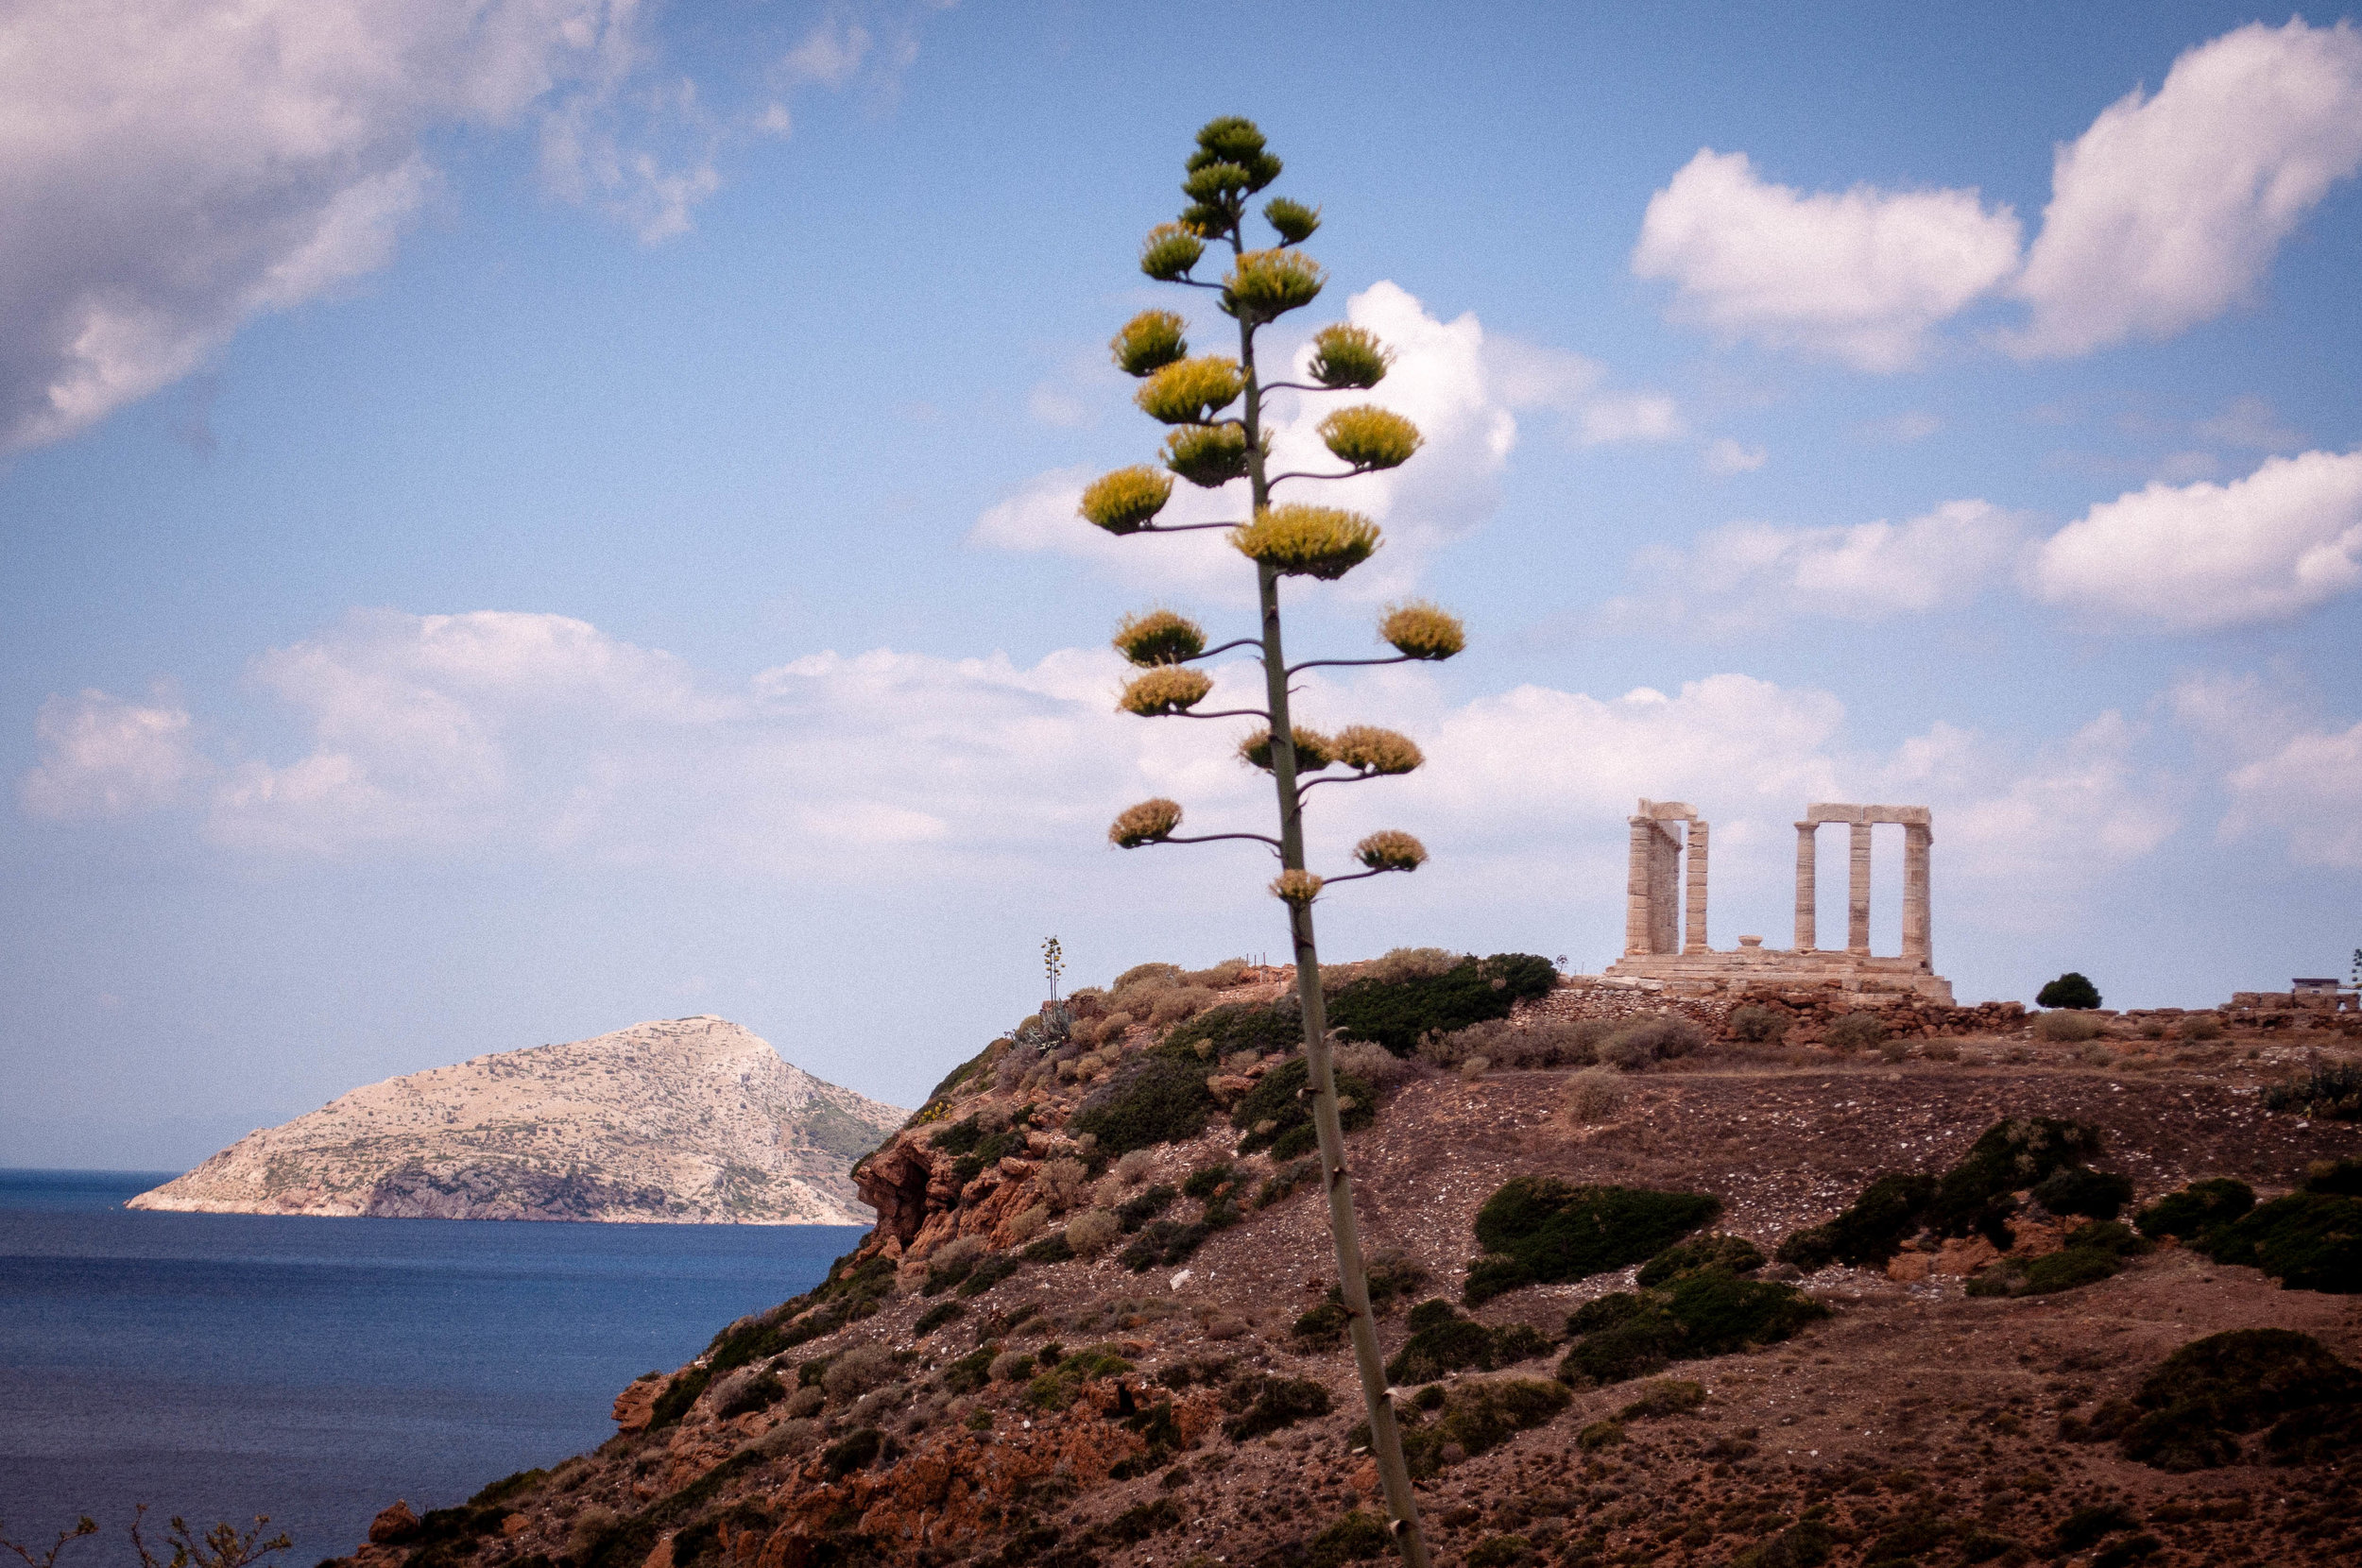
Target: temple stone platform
x,y
1665,921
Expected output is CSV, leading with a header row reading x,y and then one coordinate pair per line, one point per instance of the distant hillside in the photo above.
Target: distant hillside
x,y
689,1121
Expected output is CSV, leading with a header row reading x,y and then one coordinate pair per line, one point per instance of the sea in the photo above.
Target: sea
x,y
222,1367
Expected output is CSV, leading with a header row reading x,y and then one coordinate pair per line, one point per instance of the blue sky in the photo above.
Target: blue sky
x,y
531,516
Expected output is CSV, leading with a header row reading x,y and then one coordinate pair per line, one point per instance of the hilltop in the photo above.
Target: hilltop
x,y
691,1120
1976,1289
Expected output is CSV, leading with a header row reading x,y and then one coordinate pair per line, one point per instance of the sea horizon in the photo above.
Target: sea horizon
x,y
315,1369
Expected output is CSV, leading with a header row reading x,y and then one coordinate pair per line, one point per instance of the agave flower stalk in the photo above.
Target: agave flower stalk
x,y
1215,406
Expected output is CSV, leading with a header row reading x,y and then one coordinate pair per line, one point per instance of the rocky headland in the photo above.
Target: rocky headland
x,y
686,1121
1658,1282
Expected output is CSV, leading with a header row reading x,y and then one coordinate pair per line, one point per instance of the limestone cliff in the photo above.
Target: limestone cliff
x,y
687,1121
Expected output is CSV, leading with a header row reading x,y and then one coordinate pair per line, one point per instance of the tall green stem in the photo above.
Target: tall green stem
x,y
1353,1280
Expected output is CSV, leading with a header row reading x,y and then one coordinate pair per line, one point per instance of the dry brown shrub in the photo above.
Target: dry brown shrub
x,y
1028,1223
1092,1232
1594,1096
1133,1168
1473,1067
589,1526
1221,976
1061,1183
1179,1005
2064,1027
857,1370
806,1400
1542,1043
1374,1064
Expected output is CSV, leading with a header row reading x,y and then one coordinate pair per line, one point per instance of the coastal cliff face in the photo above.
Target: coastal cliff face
x,y
1092,1326
685,1121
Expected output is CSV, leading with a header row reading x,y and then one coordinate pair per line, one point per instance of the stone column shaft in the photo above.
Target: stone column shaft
x,y
1665,934
1636,889
1918,935
1858,893
1807,892
1694,931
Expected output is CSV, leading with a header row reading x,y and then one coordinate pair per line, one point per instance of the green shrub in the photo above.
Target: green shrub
x,y
759,1393
856,1451
1271,1030
1275,1115
2307,1241
1803,1546
1396,1012
935,1318
2090,1525
2204,1396
970,1371
989,1272
1542,1229
1855,1031
1163,1243
2009,1156
1148,1100
1761,1025
1732,1253
1141,1521
2067,1270
1049,1248
1443,1342
1352,1538
1202,1180
2340,1178
2081,1190
1478,1416
1277,1403
1138,1210
1499,1551
1322,1328
2197,1208
2069,990
2331,1092
1285,1180
1704,1312
1870,1231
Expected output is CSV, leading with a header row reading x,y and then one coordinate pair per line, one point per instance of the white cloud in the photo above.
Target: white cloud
x,y
2283,769
1860,277
2249,421
1752,575
2165,213
1527,376
2310,789
1726,456
828,56
1440,380
169,173
478,737
106,756
1048,406
2168,210
2281,541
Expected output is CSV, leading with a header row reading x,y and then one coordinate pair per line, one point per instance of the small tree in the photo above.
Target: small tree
x,y
2068,990
1216,407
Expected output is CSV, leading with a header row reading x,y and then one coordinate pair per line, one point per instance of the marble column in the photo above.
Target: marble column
x,y
1637,888
1807,892
1664,931
1857,893
1694,932
1917,935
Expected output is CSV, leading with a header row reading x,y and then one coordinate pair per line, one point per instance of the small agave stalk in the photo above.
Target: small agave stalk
x,y
1210,447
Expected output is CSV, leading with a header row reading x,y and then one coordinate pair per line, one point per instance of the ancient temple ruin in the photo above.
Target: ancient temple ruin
x,y
1665,908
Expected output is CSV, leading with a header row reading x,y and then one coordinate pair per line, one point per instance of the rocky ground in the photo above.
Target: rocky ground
x,y
685,1120
944,1401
